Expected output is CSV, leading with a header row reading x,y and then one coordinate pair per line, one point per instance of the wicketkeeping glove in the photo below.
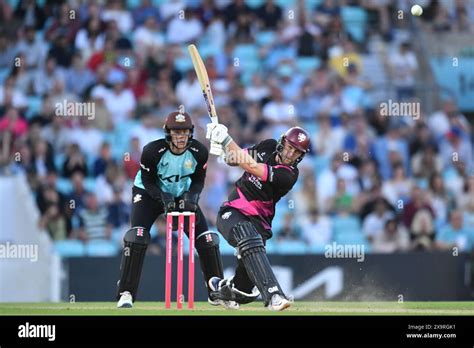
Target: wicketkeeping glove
x,y
190,201
169,204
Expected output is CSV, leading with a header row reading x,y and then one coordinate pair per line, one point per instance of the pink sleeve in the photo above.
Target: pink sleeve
x,y
265,173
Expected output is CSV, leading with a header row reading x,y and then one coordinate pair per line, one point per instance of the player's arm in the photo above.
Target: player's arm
x,y
190,198
148,172
242,158
199,175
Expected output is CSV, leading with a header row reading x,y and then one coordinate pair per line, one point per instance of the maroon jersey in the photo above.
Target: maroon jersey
x,y
256,197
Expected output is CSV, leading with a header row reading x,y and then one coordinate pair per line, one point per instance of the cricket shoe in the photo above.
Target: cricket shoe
x,y
214,285
125,300
278,303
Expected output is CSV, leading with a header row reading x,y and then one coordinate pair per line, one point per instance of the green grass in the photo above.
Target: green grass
x,y
203,308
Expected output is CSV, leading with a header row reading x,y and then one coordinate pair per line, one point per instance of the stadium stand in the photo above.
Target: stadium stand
x,y
329,60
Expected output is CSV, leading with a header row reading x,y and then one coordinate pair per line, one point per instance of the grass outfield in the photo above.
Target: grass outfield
x,y
203,308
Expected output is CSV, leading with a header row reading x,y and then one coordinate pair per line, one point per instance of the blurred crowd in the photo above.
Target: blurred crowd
x,y
404,183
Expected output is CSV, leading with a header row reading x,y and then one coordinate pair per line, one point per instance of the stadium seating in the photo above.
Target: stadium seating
x,y
307,64
64,185
291,247
99,247
355,20
70,248
4,74
34,106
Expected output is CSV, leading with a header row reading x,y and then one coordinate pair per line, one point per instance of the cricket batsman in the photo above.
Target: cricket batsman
x,y
171,178
245,220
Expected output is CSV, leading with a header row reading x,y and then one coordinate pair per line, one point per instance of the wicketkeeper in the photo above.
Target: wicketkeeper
x,y
171,178
245,220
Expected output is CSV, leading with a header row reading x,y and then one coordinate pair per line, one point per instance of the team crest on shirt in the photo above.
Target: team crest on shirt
x,y
180,118
188,164
301,137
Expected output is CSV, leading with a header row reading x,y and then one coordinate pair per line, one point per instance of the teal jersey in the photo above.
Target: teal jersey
x,y
163,171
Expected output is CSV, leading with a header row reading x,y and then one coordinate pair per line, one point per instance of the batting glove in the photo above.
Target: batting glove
x,y
220,135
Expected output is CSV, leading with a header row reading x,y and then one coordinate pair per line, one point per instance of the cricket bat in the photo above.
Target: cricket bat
x,y
203,78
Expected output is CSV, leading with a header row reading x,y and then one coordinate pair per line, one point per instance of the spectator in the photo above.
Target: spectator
x,y
120,101
441,21
114,12
145,11
55,133
398,188
421,137
118,211
426,162
234,10
441,199
393,238
104,159
104,188
308,103
188,91
184,30
31,14
441,122
62,51
78,77
76,199
289,231
131,162
12,122
256,91
335,103
316,229
43,158
147,38
59,96
90,38
374,222
419,201
455,235
422,231
342,202
278,112
457,147
52,218
10,96
403,67
45,77
170,8
215,31
74,162
327,180
22,77
87,137
290,82
148,130
466,202
390,148
269,15
33,48
368,175
8,51
93,223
